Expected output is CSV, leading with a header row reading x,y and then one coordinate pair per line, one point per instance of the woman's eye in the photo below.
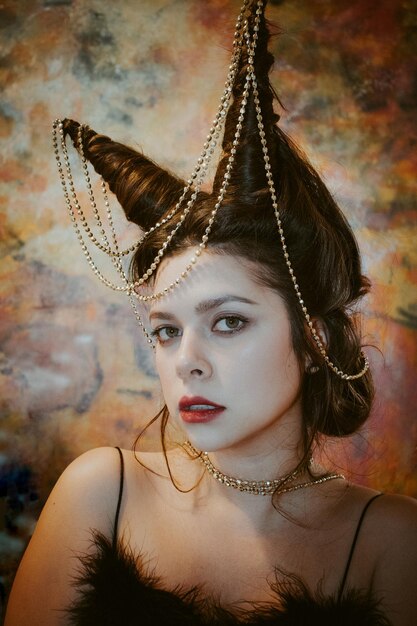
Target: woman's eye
x,y
229,324
165,333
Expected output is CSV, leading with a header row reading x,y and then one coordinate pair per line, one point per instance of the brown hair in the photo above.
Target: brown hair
x,y
323,250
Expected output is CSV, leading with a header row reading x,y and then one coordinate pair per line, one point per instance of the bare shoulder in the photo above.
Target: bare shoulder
x,y
389,520
83,499
379,507
393,516
89,486
391,532
93,470
400,509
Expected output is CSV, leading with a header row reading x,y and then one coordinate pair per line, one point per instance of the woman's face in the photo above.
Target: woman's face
x,y
224,354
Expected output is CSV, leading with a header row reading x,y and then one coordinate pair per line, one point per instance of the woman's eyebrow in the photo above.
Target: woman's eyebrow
x,y
204,306
213,303
163,315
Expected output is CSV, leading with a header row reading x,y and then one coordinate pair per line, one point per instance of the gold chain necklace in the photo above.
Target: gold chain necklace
x,y
259,487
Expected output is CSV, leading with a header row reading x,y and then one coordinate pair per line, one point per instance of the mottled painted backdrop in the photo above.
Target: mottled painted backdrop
x,y
74,370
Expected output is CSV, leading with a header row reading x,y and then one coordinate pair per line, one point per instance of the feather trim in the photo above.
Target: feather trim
x,y
115,588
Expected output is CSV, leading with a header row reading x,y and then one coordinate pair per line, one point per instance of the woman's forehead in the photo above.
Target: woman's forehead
x,y
211,269
215,279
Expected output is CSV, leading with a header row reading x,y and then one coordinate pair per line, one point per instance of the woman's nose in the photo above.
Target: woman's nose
x,y
192,358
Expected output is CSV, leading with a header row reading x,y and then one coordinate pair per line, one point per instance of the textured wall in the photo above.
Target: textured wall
x,y
74,370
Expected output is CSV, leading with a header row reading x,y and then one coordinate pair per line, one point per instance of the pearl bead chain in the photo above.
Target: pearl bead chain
x,y
202,166
251,45
271,186
193,185
199,173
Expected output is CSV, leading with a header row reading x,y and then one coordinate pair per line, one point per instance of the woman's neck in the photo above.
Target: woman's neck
x,y
267,455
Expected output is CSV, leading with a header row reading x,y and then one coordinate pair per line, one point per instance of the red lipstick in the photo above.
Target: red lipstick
x,y
196,409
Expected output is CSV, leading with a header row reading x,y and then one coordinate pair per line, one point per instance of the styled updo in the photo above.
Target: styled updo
x,y
323,250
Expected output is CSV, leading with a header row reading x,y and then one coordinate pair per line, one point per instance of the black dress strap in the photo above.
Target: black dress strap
x,y
354,542
119,499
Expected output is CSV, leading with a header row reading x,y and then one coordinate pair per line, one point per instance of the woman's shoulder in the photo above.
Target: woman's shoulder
x,y
98,475
100,466
97,469
394,528
385,510
87,489
392,523
92,463
382,514
83,499
387,538
397,511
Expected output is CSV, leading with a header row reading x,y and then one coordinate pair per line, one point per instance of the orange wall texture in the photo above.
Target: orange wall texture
x,y
74,370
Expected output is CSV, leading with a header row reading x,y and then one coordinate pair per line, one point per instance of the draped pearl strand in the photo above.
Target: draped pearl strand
x,y
193,187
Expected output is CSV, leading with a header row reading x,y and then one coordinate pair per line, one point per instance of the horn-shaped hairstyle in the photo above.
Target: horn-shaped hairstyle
x,y
268,205
144,189
246,177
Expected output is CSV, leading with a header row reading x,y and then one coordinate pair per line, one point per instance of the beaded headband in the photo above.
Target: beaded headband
x,y
244,35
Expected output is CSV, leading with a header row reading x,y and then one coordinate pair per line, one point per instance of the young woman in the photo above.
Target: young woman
x,y
248,291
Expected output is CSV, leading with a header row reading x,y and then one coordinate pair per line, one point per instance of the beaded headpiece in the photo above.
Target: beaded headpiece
x,y
250,20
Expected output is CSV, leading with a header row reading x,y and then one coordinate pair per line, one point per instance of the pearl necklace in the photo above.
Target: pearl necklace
x,y
276,486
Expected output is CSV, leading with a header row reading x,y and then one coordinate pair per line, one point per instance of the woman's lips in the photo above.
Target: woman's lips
x,y
197,409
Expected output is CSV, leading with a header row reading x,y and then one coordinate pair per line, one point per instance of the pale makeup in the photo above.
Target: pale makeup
x,y
224,337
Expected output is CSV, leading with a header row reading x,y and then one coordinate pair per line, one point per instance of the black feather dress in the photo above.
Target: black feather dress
x,y
115,591
117,588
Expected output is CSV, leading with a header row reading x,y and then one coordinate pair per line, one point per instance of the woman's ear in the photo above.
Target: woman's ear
x,y
312,365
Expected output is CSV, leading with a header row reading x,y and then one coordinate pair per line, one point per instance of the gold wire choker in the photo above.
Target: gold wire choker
x,y
276,486
242,35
